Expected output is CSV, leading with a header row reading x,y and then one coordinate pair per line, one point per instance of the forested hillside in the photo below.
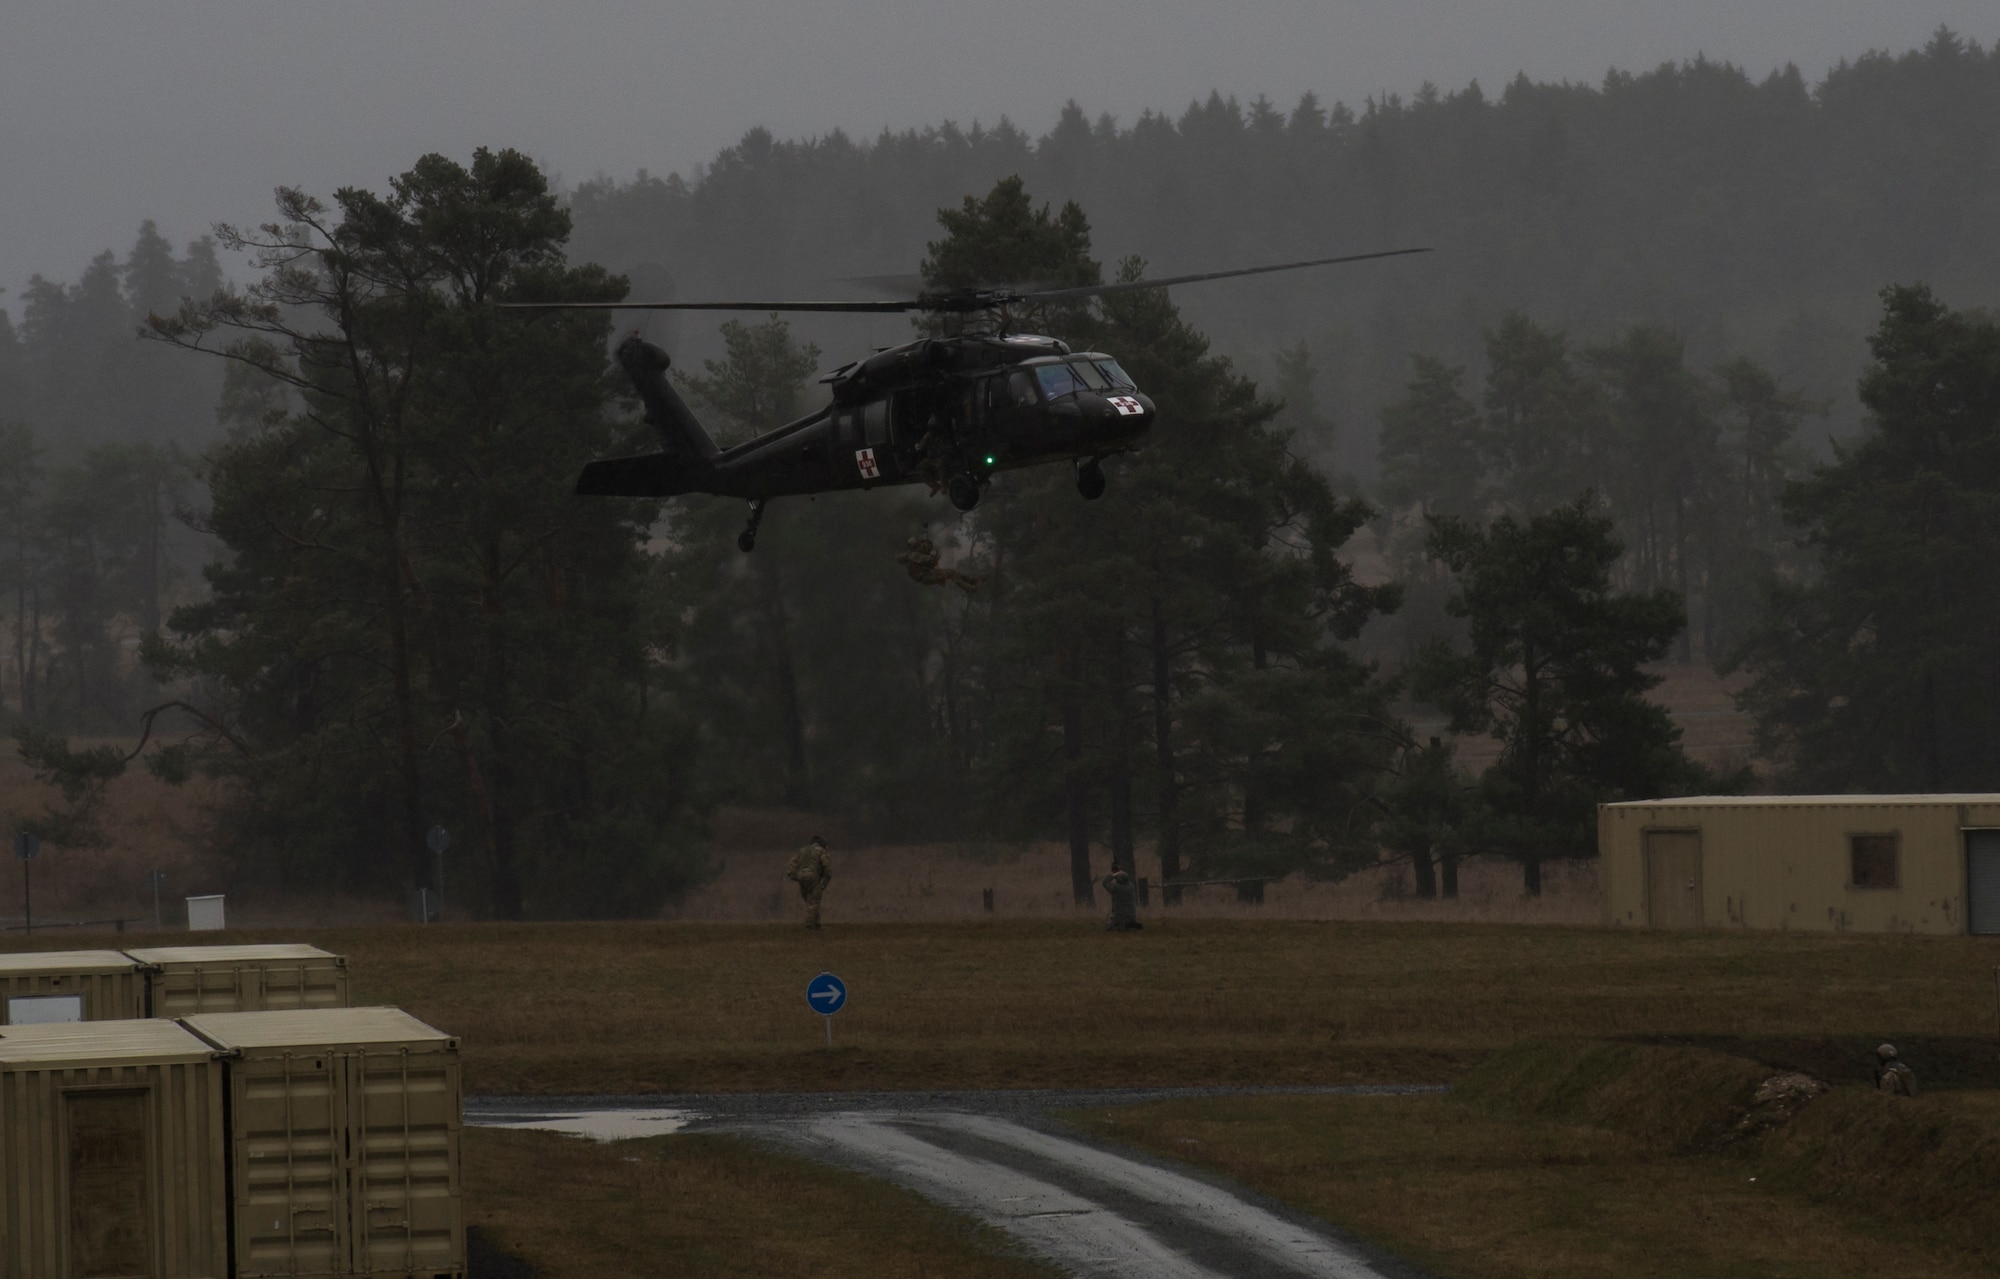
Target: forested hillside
x,y
1753,218
1497,484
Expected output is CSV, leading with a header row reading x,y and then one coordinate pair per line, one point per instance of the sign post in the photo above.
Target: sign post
x,y
439,839
826,995
27,846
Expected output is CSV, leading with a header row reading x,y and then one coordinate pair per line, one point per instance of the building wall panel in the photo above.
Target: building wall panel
x,y
187,981
108,985
1786,864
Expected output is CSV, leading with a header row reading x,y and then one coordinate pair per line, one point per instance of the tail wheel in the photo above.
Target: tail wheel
x,y
964,491
1090,480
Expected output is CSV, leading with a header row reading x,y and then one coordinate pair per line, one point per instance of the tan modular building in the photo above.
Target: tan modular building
x,y
184,980
344,1143
44,986
111,1153
1864,863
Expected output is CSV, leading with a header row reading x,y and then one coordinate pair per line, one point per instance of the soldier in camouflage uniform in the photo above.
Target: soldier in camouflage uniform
x,y
810,869
1124,901
921,561
1892,1076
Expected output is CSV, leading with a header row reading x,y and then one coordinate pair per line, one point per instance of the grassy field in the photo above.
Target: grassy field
x,y
1492,1182
1585,1160
654,1007
714,1207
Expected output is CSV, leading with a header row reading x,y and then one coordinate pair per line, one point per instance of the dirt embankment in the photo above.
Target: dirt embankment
x,y
1932,1160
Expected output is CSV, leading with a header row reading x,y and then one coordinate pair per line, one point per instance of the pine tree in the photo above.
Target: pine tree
x,y
1174,649
1881,670
1555,671
418,622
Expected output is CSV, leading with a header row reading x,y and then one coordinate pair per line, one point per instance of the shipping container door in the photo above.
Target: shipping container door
x,y
404,1110
196,989
1982,881
1673,878
289,1142
110,1188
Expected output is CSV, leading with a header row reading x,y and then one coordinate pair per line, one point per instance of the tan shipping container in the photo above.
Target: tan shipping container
x,y
41,986
1861,863
182,981
344,1143
111,1153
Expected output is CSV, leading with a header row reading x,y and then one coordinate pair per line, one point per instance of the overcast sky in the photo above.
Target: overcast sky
x,y
190,112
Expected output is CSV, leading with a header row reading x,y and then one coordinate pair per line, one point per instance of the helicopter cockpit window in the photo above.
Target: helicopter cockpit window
x,y
1021,387
1087,373
1057,379
1119,377
875,417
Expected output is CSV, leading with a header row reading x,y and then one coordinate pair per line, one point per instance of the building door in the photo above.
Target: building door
x,y
1673,878
1982,881
110,1189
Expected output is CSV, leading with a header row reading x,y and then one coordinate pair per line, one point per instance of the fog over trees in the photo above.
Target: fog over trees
x,y
1750,218
1593,430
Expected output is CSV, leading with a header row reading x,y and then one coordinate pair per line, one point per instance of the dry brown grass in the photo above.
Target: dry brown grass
x,y
653,1007
1581,1157
714,1207
150,825
146,824
948,881
1470,1195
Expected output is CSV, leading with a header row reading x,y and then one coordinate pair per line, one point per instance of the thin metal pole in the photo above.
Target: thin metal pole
x,y
829,1027
28,892
156,901
440,914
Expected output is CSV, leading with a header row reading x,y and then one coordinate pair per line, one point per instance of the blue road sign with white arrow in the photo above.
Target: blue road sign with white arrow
x,y
826,994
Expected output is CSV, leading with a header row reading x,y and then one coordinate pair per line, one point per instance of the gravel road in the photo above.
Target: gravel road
x,y
1090,1208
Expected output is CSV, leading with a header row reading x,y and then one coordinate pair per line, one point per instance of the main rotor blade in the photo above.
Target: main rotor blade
x,y
1130,286
905,305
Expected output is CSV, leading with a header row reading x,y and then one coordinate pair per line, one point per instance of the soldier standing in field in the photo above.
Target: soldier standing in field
x,y
810,869
1124,901
1893,1076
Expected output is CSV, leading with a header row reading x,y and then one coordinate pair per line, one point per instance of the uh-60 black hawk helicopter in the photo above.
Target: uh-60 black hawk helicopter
x,y
949,410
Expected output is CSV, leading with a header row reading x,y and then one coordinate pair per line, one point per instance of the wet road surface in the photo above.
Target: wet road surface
x,y
1091,1209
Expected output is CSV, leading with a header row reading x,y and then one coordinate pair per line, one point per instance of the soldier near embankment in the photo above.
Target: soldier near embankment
x,y
1893,1075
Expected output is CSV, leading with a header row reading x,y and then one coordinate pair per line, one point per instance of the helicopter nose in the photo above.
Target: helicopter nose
x,y
1121,417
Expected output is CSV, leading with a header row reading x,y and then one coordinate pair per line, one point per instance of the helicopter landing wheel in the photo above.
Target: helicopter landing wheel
x,y
964,491
746,541
1090,480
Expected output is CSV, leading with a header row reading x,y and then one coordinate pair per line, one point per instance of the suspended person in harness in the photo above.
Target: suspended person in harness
x,y
921,561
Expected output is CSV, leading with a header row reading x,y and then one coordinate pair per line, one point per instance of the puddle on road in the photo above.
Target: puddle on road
x,y
600,1125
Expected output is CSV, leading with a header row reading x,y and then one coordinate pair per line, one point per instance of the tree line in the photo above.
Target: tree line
x,y
1175,663
1751,217
411,621
93,475
1690,464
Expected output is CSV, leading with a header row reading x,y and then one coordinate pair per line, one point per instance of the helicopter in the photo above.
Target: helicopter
x,y
949,410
